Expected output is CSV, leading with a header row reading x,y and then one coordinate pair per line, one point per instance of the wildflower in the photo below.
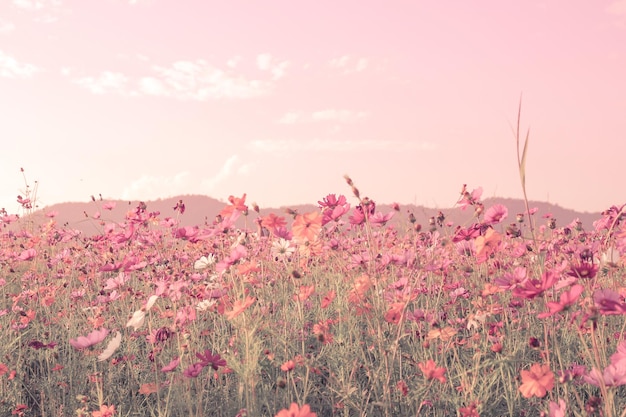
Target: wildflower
x,y
111,347
486,245
537,381
239,307
307,227
558,410
282,249
137,319
469,411
204,262
395,313
496,213
209,359
583,270
566,299
236,204
305,292
172,365
93,338
530,288
430,370
288,366
468,199
331,201
296,411
328,298
193,370
105,411
608,302
273,222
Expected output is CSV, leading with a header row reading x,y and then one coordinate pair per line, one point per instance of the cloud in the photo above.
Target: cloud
x,y
184,80
106,82
33,5
233,62
231,167
617,7
6,27
12,68
265,62
327,145
345,116
149,187
197,80
348,64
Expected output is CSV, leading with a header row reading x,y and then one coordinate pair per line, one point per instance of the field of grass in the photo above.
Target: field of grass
x,y
327,313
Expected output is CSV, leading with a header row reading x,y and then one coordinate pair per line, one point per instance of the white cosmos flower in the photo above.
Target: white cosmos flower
x,y
204,305
204,262
282,249
137,320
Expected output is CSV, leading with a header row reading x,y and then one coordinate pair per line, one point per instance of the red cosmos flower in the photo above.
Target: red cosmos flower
x,y
239,307
296,411
487,244
430,370
272,221
288,366
307,226
235,204
537,381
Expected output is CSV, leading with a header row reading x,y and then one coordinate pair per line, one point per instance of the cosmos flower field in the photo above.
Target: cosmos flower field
x,y
333,312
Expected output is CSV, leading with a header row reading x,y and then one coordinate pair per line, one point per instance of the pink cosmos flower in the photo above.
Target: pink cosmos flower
x,y
496,213
93,338
172,365
567,299
609,302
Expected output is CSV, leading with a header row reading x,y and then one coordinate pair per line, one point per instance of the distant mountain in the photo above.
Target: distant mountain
x,y
201,210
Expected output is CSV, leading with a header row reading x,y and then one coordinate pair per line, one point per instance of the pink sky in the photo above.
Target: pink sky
x,y
145,99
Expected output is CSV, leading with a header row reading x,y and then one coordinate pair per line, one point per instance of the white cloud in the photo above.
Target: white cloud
x,y
338,115
233,62
12,68
326,145
185,80
361,64
265,62
150,187
349,64
322,115
340,62
232,166
106,82
198,80
6,27
617,7
36,4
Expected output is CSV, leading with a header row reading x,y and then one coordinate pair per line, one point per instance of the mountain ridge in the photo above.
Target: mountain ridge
x,y
201,210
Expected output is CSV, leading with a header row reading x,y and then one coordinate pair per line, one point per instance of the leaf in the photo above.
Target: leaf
x,y
111,347
522,166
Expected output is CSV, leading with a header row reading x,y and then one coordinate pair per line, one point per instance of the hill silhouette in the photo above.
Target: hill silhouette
x,y
90,217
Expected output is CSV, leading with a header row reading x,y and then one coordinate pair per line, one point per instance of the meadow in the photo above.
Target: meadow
x,y
333,312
